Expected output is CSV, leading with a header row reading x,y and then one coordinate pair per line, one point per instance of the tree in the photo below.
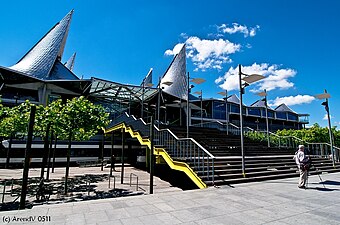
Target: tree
x,y
79,120
14,123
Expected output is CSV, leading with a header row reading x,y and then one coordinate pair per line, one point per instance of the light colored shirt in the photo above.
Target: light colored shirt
x,y
300,157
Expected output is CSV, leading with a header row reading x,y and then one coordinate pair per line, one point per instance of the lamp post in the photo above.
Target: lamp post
x,y
168,83
326,96
248,79
264,94
226,108
144,85
200,93
189,87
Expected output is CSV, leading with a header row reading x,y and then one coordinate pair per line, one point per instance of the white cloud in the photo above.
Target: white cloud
x,y
207,54
237,28
326,117
215,51
175,50
291,100
275,77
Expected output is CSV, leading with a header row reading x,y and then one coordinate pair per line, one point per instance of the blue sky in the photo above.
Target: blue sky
x,y
293,43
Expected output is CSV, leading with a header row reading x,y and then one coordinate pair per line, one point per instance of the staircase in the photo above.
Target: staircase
x,y
215,157
261,162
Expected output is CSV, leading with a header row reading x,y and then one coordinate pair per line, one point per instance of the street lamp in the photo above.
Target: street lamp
x,y
200,93
264,94
167,83
226,108
248,79
196,81
144,85
326,96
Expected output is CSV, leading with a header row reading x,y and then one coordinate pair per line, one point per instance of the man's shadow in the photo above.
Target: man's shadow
x,y
324,188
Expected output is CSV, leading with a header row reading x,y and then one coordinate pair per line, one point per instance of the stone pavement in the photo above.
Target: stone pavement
x,y
101,185
268,202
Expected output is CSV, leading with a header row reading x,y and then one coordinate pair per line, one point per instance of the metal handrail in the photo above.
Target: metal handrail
x,y
186,149
131,179
114,181
283,141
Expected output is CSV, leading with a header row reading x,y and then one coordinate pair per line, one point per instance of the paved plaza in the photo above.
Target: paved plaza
x,y
89,181
268,202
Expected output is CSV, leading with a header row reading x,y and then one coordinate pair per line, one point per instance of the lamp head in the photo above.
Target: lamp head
x,y
262,94
197,80
323,96
167,83
222,93
252,78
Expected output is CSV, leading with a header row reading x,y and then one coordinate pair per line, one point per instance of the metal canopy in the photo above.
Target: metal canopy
x,y
117,92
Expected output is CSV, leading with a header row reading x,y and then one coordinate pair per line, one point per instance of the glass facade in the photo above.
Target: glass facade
x,y
219,110
292,116
254,112
281,115
234,108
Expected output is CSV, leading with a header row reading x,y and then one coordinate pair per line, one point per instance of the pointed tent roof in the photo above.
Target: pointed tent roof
x,y
38,61
70,62
283,107
147,79
259,103
234,99
176,73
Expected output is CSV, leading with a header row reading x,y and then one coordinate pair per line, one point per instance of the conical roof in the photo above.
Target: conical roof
x,y
70,62
283,107
259,103
176,73
147,81
234,99
38,61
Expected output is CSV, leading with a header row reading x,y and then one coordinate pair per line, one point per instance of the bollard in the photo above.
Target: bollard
x,y
3,193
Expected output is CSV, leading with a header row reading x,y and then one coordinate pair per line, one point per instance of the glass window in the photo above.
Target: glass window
x,y
270,113
292,116
219,110
254,111
281,115
235,108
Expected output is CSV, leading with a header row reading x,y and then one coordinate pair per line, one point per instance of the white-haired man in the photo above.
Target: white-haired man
x,y
302,160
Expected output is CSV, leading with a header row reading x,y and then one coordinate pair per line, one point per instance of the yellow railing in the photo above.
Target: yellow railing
x,y
176,165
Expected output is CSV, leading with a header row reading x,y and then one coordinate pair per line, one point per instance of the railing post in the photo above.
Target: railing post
x,y
27,158
213,171
3,192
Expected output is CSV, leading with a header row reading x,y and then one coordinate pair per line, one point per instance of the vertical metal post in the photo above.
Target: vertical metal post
x,y
151,155
142,108
330,131
68,158
241,121
45,152
102,150
267,123
27,158
112,146
180,111
122,157
49,157
3,192
159,101
9,150
188,117
54,149
201,108
226,110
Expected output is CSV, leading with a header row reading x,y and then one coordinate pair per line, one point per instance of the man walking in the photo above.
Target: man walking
x,y
301,160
